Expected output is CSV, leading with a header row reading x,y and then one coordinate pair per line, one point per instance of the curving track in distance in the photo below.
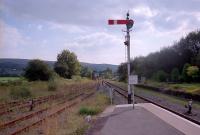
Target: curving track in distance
x,y
124,93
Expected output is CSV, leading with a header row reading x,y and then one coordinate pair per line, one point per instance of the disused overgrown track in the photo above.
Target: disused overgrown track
x,y
28,121
54,114
6,108
37,101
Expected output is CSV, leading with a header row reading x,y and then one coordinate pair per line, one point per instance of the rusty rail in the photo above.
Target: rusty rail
x,y
19,102
37,102
26,128
13,122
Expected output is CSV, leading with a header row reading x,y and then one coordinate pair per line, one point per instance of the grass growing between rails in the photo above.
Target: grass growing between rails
x,y
96,106
20,93
37,88
74,123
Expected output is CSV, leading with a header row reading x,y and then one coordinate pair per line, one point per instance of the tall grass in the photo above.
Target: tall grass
x,y
21,92
52,85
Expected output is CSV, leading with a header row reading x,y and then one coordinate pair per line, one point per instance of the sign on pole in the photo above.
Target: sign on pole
x,y
133,79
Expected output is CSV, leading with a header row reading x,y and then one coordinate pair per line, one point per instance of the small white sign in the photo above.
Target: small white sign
x,y
133,79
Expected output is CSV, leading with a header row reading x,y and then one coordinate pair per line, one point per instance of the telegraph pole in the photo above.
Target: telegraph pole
x,y
129,25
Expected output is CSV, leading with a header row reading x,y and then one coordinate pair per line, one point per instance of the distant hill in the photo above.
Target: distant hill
x,y
15,67
99,67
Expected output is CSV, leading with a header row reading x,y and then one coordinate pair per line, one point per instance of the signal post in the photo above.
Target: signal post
x,y
129,24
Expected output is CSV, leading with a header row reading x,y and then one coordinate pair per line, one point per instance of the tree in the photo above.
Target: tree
x,y
184,74
193,71
122,72
175,75
161,76
197,60
107,73
186,50
86,72
37,70
67,64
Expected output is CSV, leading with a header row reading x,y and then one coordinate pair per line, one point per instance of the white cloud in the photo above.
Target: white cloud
x,y
66,27
40,27
82,26
143,10
12,41
10,36
197,15
168,18
95,39
99,47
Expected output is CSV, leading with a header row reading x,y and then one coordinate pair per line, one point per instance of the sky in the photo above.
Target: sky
x,y
41,29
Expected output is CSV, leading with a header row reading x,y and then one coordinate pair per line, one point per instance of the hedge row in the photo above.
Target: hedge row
x,y
181,94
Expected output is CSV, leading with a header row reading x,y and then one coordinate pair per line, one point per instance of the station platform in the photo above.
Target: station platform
x,y
144,119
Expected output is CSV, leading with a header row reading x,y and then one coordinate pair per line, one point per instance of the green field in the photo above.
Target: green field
x,y
6,79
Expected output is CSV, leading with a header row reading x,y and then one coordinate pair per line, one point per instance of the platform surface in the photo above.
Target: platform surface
x,y
145,119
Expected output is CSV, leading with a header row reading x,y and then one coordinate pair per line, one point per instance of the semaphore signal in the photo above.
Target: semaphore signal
x,y
114,22
129,24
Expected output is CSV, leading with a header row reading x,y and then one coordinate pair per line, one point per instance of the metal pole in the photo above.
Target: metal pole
x,y
133,96
128,61
110,95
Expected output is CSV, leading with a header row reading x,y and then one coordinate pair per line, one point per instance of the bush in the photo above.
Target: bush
x,y
176,87
86,72
20,92
193,72
52,85
184,75
76,78
88,111
37,70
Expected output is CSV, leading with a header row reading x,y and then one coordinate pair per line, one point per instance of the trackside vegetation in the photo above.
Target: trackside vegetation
x,y
177,63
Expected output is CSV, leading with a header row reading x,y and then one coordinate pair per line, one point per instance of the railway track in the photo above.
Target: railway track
x,y
28,116
6,105
124,93
9,107
7,128
25,121
26,104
